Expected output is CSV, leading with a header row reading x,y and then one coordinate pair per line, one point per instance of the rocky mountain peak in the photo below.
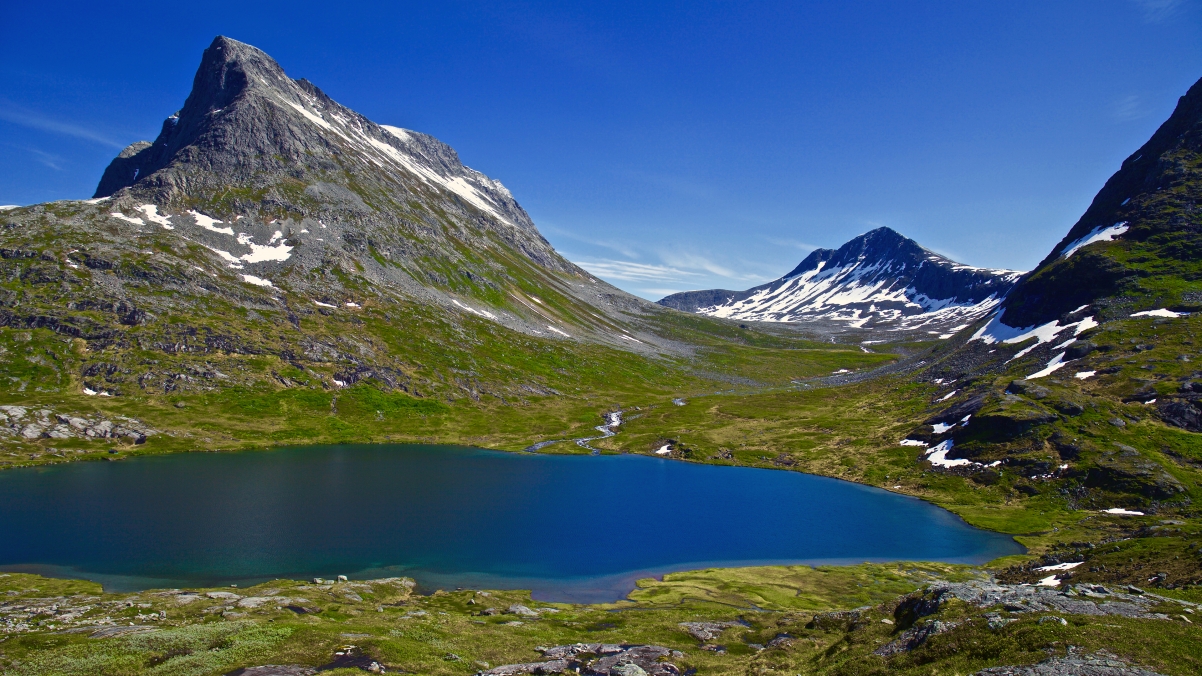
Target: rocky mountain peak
x,y
878,280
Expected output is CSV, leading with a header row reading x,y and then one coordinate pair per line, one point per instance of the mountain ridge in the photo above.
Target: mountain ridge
x,y
877,280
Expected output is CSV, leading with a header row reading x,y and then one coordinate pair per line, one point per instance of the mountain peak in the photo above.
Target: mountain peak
x,y
880,279
227,69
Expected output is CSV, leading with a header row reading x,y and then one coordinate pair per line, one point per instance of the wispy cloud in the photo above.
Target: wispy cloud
x,y
47,159
632,272
603,243
1127,108
791,243
1155,11
27,118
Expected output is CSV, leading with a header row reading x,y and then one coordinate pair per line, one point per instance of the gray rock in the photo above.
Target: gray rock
x,y
1097,665
521,611
706,631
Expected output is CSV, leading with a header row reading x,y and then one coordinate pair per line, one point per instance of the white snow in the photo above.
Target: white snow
x,y
6,207
482,313
269,252
1056,364
940,428
842,371
937,456
1121,512
257,281
94,200
1082,375
625,337
151,212
131,219
380,153
208,222
664,450
89,391
352,304
1162,312
1049,581
856,293
1059,566
321,304
997,331
913,442
340,383
949,395
1098,234
397,132
552,328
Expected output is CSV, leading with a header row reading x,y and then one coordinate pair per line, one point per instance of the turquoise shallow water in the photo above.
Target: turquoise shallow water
x,y
572,528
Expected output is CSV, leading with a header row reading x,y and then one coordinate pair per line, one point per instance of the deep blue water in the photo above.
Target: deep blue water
x,y
569,527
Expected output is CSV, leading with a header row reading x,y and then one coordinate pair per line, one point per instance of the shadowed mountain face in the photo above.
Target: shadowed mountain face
x,y
1140,241
879,280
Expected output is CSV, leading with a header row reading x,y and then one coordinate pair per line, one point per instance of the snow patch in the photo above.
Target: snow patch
x,y
321,304
1119,511
1098,234
1049,581
664,450
1056,364
913,442
1059,566
271,251
151,212
1162,312
6,207
208,223
552,328
996,331
937,456
129,219
1082,375
257,281
949,395
483,313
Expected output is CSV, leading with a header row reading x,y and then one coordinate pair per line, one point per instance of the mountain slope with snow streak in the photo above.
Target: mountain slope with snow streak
x,y
879,280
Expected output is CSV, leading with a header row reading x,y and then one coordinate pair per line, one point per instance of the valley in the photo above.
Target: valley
x,y
276,271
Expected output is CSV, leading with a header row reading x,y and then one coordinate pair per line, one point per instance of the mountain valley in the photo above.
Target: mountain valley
x,y
275,270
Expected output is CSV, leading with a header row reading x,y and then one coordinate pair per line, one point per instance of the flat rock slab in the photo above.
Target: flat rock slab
x,y
275,670
1071,666
109,632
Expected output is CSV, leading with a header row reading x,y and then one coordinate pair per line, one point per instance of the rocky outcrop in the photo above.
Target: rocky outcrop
x,y
597,659
31,424
1101,664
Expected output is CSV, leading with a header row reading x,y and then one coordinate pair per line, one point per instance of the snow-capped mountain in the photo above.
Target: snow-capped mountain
x,y
879,280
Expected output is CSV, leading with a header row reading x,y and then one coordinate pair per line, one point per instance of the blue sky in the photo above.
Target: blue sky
x,y
664,146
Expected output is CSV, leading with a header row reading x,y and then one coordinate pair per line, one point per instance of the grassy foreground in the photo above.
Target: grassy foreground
x,y
777,615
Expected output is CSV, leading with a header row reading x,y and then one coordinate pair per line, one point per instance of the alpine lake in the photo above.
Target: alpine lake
x,y
573,528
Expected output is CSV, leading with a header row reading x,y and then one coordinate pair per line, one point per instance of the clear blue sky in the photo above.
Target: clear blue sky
x,y
665,146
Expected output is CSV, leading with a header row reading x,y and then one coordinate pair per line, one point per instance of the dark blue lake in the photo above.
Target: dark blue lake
x,y
572,528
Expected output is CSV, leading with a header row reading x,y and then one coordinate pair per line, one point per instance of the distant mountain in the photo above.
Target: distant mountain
x,y
879,280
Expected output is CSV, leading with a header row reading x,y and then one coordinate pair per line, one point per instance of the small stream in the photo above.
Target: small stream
x,y
609,429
